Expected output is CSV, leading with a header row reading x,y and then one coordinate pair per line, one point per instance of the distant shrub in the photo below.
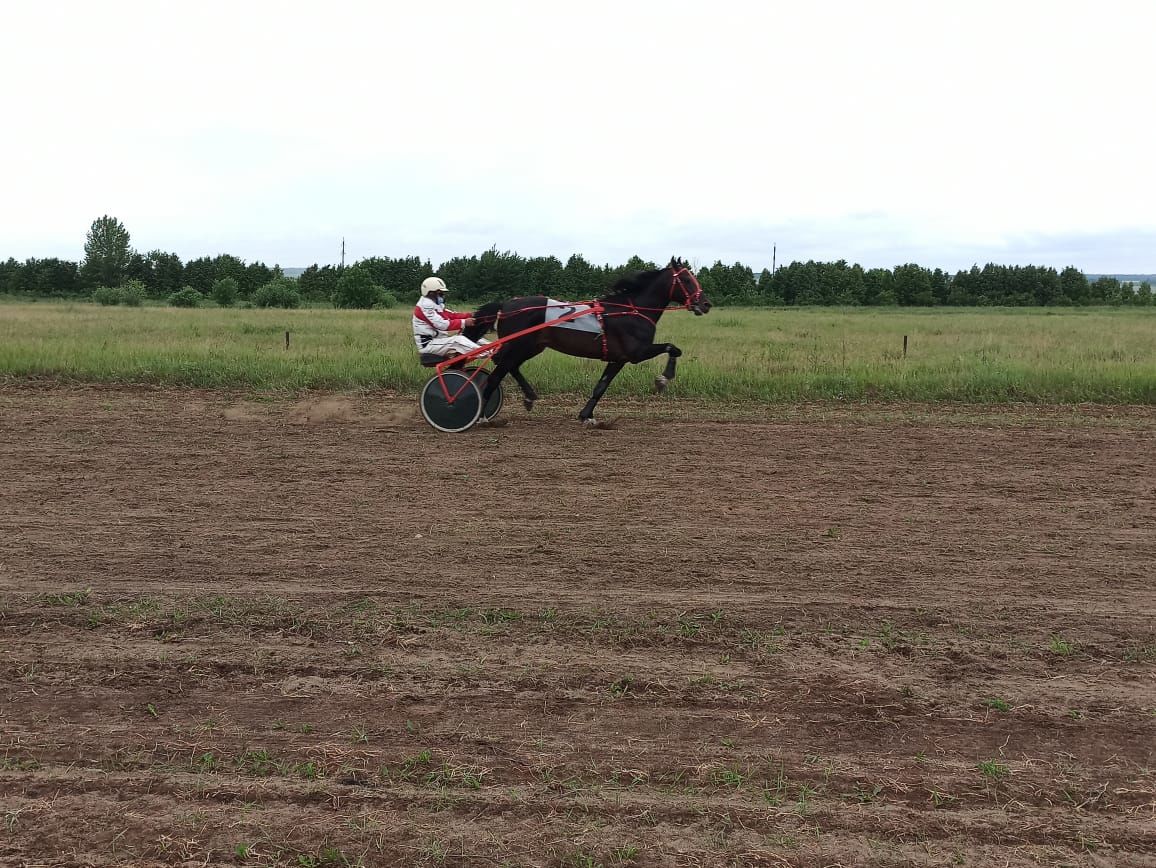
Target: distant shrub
x,y
107,295
279,292
187,297
225,291
356,289
133,292
386,299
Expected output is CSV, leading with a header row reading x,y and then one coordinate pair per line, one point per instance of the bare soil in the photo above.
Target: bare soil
x,y
312,631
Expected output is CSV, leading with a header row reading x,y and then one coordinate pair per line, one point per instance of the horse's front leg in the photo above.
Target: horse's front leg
x,y
672,354
587,412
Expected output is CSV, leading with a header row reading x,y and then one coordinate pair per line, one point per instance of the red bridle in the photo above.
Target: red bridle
x,y
688,297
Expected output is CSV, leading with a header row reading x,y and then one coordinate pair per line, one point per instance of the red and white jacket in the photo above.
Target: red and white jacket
x,y
432,319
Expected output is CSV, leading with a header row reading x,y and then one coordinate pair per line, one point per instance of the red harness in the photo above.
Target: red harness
x,y
597,307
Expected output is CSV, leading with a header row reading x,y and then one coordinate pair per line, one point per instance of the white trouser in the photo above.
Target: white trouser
x,y
452,345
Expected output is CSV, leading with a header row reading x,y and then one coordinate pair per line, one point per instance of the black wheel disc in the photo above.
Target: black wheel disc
x,y
455,413
494,405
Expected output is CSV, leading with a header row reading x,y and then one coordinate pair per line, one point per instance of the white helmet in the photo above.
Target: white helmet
x,y
431,285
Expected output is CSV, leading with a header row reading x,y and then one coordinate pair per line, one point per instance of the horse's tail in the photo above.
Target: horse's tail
x,y
485,319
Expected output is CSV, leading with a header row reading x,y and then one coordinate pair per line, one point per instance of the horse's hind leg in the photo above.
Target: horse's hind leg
x,y
509,360
502,366
612,369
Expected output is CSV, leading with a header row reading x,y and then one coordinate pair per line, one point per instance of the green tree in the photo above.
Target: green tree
x,y
225,291
138,268
993,285
1039,285
356,289
227,265
965,287
1105,290
543,276
166,273
106,253
1073,286
912,285
498,275
580,280
319,283
740,283
940,286
768,288
403,276
47,277
877,286
804,283
11,276
845,282
200,274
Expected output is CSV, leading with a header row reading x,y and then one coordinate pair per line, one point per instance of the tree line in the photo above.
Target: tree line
x,y
383,281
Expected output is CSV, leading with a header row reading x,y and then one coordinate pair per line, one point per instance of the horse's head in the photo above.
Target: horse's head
x,y
685,288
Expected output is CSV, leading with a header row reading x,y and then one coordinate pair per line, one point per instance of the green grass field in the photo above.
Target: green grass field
x,y
798,354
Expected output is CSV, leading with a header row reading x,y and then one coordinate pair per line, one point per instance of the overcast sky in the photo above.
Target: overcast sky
x,y
945,134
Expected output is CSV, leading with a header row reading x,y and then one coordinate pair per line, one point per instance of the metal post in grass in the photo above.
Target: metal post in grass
x,y
904,343
287,342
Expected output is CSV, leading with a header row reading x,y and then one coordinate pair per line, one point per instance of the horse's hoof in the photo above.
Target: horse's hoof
x,y
660,384
528,404
593,424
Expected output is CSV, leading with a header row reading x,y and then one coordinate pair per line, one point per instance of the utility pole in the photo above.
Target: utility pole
x,y
774,251
343,253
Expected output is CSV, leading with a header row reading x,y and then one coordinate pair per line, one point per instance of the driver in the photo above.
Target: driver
x,y
433,322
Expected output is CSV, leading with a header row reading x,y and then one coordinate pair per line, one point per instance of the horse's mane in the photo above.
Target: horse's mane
x,y
632,283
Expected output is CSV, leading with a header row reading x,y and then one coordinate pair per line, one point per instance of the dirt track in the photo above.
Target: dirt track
x,y
314,631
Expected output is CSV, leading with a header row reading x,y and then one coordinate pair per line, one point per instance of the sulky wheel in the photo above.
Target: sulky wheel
x,y
457,412
494,405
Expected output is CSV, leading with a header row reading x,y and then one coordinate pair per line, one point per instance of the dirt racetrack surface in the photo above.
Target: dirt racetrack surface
x,y
311,631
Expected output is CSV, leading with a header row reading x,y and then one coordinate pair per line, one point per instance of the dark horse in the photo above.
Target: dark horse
x,y
619,329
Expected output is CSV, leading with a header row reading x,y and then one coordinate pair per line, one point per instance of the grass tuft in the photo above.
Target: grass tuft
x,y
993,770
